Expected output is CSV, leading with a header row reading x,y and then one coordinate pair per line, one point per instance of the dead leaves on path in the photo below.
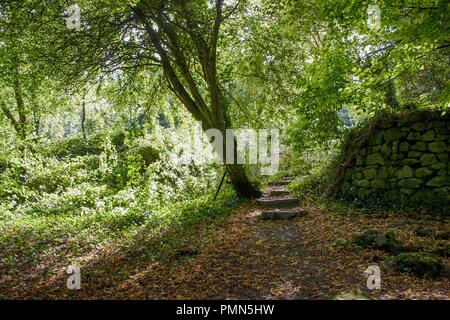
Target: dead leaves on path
x,y
247,258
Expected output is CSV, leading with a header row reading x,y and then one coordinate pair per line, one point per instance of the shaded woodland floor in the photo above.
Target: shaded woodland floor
x,y
247,258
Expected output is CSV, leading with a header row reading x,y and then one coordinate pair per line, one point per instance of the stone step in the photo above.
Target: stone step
x,y
282,214
279,203
280,183
354,295
279,193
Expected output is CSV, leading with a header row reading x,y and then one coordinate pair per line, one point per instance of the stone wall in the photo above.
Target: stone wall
x,y
401,155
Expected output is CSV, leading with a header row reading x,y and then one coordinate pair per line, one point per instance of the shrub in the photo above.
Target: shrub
x,y
421,264
75,147
376,239
367,238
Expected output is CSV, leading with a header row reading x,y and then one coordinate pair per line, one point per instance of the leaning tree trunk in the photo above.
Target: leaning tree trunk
x,y
240,182
236,172
181,81
83,118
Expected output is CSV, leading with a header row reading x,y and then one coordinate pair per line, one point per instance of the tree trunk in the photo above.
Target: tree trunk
x,y
22,122
182,83
240,182
83,118
236,172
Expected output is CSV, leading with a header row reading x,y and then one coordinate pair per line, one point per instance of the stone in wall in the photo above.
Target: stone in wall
x,y
404,154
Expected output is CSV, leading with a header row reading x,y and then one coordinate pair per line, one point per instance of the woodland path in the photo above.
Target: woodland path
x,y
278,248
262,253
287,251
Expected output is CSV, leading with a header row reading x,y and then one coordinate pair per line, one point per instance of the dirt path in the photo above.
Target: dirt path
x,y
297,258
253,258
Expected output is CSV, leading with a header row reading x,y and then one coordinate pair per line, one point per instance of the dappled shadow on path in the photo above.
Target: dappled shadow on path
x,y
244,258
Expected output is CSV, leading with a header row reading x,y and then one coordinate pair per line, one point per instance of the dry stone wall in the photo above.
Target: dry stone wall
x,y
405,155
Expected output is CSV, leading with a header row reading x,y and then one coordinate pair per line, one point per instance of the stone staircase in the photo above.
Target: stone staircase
x,y
277,202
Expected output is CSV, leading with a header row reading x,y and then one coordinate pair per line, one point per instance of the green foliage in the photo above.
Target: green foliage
x,y
376,239
74,147
128,189
422,264
314,166
31,238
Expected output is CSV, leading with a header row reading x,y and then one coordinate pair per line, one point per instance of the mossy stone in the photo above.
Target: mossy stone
x,y
357,175
395,148
411,118
414,136
375,158
386,149
405,172
438,182
376,138
414,154
394,134
409,161
410,183
382,173
438,166
404,146
362,183
443,157
376,148
423,172
397,156
419,126
430,135
437,147
421,264
406,191
436,124
377,184
428,159
420,146
359,160
370,173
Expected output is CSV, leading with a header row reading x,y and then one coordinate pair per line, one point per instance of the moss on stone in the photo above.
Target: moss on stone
x,y
414,154
375,158
414,136
421,264
437,147
394,134
438,181
423,172
419,146
411,183
405,172
428,159
370,173
404,146
430,135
